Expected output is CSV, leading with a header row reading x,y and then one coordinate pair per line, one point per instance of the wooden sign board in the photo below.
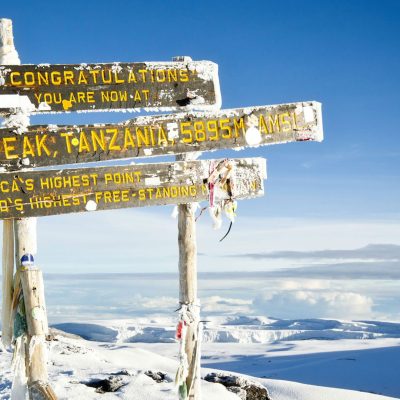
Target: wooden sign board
x,y
40,193
161,135
104,87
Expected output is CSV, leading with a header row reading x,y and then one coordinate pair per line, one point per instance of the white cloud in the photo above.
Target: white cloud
x,y
145,240
158,304
304,284
314,304
224,305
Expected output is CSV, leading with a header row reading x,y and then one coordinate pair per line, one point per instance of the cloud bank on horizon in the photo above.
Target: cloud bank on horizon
x,y
145,240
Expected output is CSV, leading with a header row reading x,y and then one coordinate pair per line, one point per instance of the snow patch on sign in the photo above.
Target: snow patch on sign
x,y
152,181
43,106
148,152
318,131
197,100
253,136
247,171
116,68
204,70
81,67
172,129
308,113
15,101
91,205
3,72
18,121
52,127
165,94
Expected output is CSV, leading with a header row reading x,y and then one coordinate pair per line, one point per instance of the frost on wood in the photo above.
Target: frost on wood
x,y
19,107
147,136
8,53
7,283
54,192
243,387
47,88
19,390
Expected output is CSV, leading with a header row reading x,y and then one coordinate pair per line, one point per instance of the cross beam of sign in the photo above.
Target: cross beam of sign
x,y
160,135
40,193
47,88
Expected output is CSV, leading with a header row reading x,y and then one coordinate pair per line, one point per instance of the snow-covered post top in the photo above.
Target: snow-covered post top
x,y
8,53
19,117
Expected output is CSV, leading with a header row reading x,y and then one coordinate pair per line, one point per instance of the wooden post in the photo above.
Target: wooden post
x,y
188,289
35,308
26,243
8,55
7,283
188,283
35,311
188,292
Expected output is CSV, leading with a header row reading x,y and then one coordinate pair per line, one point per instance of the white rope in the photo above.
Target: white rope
x,y
183,368
189,316
19,389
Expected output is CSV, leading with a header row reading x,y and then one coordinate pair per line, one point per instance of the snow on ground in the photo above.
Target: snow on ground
x,y
295,359
233,330
75,361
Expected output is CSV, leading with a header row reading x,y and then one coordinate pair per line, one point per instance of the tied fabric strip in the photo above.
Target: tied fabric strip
x,y
188,317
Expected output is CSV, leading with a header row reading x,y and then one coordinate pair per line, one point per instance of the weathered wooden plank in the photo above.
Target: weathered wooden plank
x,y
161,135
36,317
39,193
116,86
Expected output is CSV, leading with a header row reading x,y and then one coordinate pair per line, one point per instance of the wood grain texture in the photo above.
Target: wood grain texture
x,y
157,135
24,231
115,86
35,308
40,193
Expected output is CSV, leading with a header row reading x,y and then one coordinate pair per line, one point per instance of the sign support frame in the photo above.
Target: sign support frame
x,y
25,240
188,300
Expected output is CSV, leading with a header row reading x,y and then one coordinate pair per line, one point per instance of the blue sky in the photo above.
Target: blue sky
x,y
342,193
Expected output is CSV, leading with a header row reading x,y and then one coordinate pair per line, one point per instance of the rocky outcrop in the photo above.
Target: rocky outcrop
x,y
244,388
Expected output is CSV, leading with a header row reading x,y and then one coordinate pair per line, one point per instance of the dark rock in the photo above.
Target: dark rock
x,y
242,387
111,384
241,393
226,380
255,392
158,376
124,372
68,349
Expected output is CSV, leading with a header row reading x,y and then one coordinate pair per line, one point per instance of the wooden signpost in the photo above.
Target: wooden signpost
x,y
160,135
191,87
23,296
117,86
40,193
